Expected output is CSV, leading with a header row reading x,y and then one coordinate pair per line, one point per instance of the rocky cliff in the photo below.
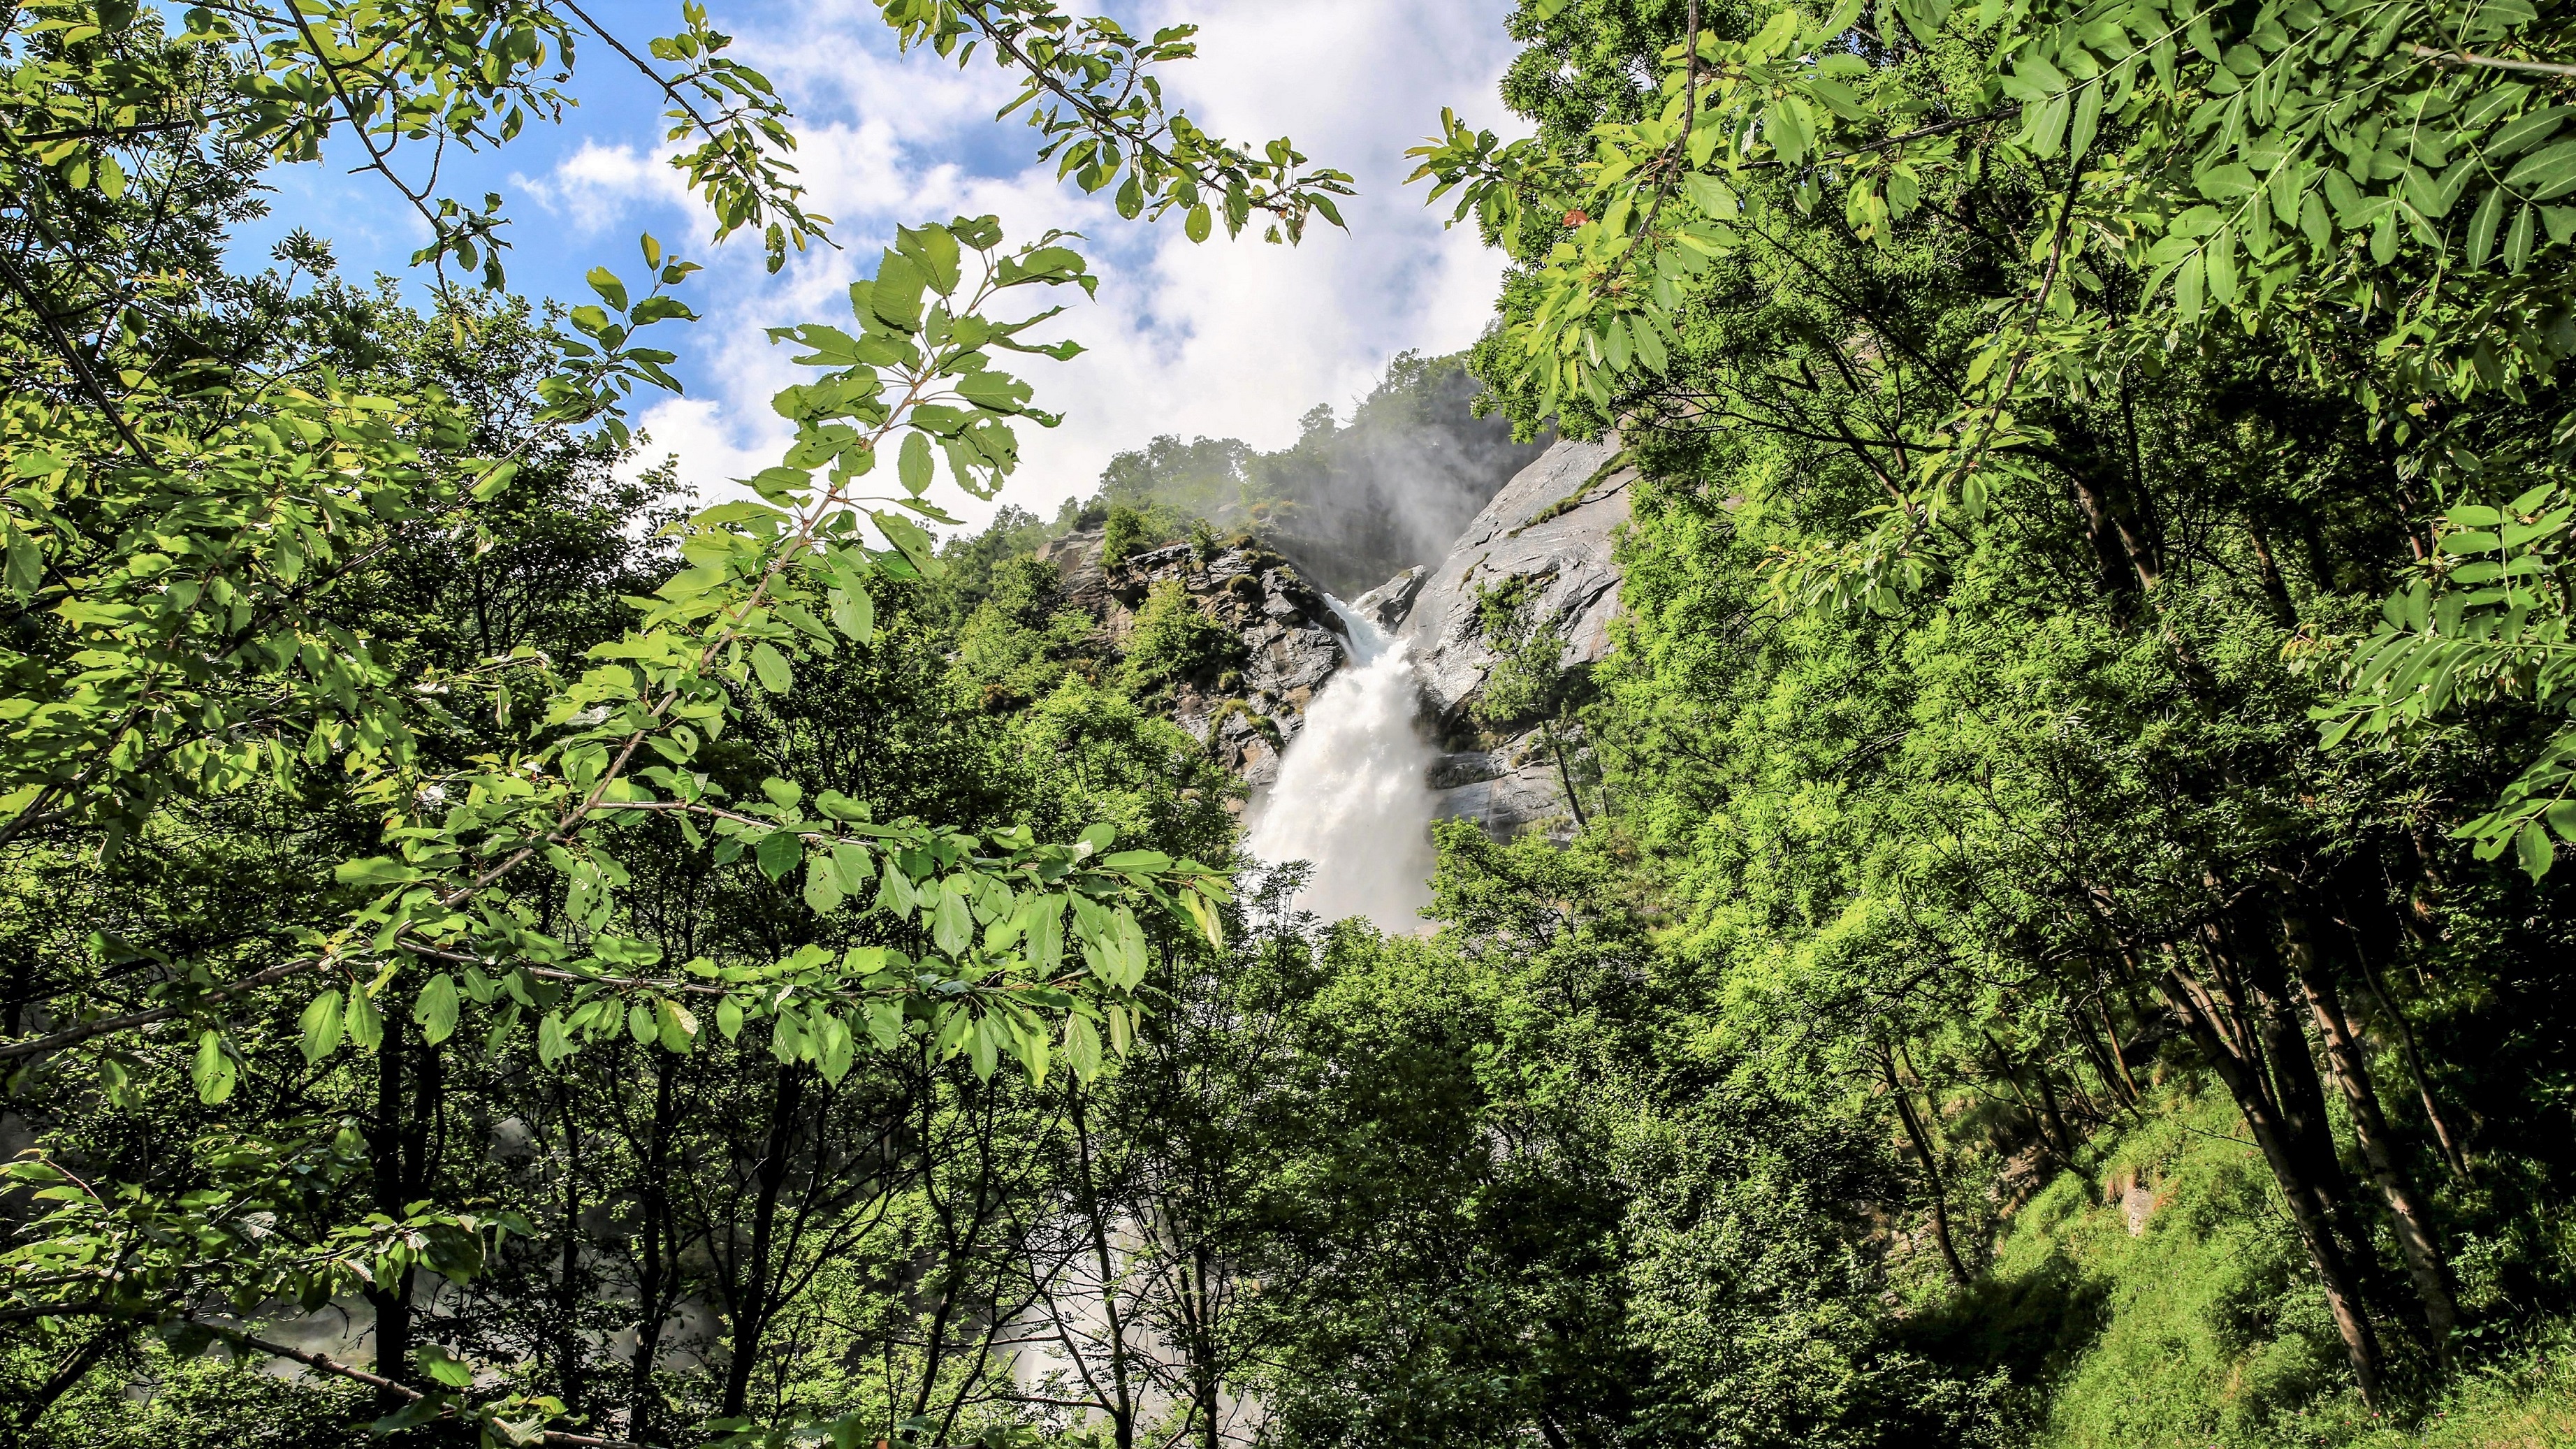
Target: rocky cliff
x,y
1553,526
1246,711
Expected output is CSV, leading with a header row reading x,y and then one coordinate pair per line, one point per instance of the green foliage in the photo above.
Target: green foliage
x,y
1125,535
1174,640
339,681
2361,187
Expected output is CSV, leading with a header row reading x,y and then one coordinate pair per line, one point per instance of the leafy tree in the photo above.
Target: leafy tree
x,y
303,617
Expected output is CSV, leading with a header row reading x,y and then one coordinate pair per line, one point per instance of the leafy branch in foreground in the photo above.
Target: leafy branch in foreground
x,y
1035,949
2366,182
1090,89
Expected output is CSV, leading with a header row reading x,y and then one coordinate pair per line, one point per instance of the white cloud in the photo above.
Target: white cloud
x,y
1226,338
598,185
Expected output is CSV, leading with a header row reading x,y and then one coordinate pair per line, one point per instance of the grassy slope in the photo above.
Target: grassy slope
x,y
2199,1330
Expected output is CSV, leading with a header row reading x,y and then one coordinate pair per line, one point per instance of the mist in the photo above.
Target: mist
x,y
1351,503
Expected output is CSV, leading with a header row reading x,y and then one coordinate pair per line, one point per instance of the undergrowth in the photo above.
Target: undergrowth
x,y
2156,1297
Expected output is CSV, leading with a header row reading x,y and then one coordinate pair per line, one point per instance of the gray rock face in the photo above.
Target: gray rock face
x,y
1506,790
1552,523
1291,639
1387,604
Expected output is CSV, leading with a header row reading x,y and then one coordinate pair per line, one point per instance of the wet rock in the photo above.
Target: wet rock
x,y
1554,524
1387,604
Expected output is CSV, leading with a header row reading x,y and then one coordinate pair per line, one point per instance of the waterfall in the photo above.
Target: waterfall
x,y
1352,795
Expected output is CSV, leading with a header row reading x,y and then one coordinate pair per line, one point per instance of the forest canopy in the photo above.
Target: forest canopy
x,y
2057,936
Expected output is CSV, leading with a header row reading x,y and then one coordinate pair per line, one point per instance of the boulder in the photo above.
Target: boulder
x,y
1554,523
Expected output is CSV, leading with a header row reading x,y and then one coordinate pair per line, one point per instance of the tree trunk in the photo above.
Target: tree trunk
x,y
2299,1095
398,1175
2423,1253
652,1291
2312,1216
750,1298
1922,1141
2454,1156
32,1409
567,1331
1122,1410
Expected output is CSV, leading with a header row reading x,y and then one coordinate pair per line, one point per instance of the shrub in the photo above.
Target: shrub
x,y
1175,640
1126,534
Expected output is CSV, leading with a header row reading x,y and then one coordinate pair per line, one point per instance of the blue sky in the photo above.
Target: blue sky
x,y
1225,338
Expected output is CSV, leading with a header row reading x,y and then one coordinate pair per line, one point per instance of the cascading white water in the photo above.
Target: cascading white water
x,y
1352,795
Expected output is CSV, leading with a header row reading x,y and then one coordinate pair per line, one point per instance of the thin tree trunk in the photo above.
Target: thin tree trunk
x,y
1122,1417
394,1153
2300,1096
2119,1052
2415,1240
1922,1141
750,1303
32,1410
2454,1156
2312,1216
2044,1124
567,1336
1203,1347
652,1293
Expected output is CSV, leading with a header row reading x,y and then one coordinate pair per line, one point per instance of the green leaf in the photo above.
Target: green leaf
x,y
605,283
823,890
552,1044
2219,265
1199,222
952,922
778,853
934,249
896,296
1082,1046
984,1047
912,466
771,666
729,1018
2532,849
25,566
2545,173
212,1071
436,1009
853,867
885,1024
447,1369
366,1026
321,1026
2187,291
2482,226
854,613
838,1047
679,1029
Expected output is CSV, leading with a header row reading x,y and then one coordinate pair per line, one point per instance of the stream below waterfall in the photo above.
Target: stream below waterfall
x,y
1353,796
